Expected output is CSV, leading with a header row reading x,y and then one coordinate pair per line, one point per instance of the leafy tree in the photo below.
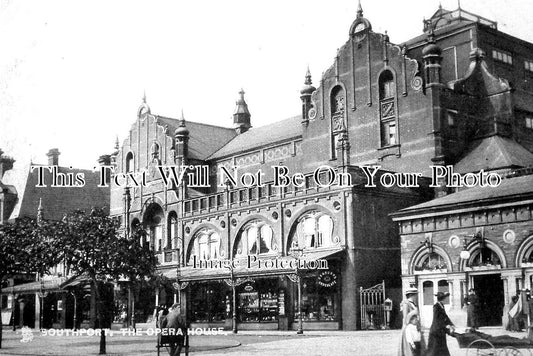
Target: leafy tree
x,y
25,247
93,248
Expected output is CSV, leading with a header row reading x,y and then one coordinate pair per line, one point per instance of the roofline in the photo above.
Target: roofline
x,y
455,208
194,122
255,148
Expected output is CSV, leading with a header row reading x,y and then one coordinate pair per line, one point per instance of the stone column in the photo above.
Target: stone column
x,y
350,306
38,311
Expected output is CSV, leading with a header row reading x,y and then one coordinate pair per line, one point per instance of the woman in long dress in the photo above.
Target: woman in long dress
x,y
409,307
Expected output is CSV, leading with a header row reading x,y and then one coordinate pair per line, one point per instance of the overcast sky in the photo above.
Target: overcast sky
x,y
73,73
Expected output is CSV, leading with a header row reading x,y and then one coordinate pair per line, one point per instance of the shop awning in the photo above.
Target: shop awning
x,y
253,268
49,285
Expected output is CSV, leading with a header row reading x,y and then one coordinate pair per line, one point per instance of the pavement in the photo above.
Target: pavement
x,y
245,343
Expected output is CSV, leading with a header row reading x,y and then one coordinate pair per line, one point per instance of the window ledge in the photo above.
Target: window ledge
x,y
397,145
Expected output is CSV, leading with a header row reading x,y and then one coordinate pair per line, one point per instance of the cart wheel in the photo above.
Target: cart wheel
x,y
510,351
481,347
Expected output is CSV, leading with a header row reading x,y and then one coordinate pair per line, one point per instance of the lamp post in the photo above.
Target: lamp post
x,y
297,253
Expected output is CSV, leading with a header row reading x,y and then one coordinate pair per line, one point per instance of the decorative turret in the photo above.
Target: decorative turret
x,y
144,109
182,138
360,25
241,116
432,61
306,92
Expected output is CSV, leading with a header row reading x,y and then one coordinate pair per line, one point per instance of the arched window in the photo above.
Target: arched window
x,y
154,151
171,230
430,262
314,229
387,94
256,238
153,222
338,125
484,256
206,245
129,162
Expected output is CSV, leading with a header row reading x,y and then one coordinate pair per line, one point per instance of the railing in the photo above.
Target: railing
x,y
250,195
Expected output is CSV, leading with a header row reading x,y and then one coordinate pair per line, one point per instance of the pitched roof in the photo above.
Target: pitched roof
x,y
260,136
511,189
204,139
57,201
493,153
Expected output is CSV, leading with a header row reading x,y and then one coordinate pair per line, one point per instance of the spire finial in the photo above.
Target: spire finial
x,y
182,119
308,80
117,144
359,10
144,96
459,4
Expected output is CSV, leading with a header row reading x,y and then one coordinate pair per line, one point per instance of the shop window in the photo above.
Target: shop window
x,y
129,162
255,239
208,302
444,287
314,230
206,245
430,262
319,301
258,301
428,295
502,56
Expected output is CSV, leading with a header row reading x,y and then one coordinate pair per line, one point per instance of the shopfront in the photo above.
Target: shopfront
x,y
265,302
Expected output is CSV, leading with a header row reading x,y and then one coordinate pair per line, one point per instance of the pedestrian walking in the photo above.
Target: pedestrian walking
x,y
176,329
441,325
410,308
413,336
472,309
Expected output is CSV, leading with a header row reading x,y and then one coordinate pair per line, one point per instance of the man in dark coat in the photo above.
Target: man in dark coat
x,y
441,325
472,309
176,329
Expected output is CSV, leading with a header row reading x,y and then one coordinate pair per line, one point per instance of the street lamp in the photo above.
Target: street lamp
x,y
465,254
297,253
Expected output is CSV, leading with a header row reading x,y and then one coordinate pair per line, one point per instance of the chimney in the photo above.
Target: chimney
x,y
6,163
53,155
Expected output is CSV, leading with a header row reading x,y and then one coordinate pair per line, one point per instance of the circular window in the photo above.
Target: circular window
x,y
509,236
454,241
